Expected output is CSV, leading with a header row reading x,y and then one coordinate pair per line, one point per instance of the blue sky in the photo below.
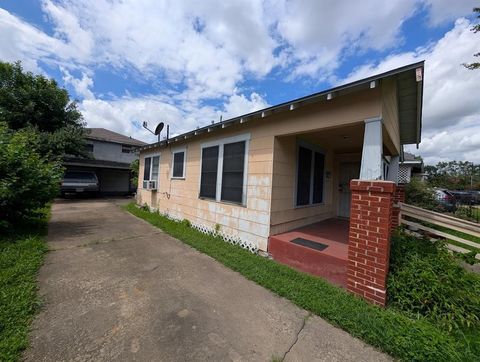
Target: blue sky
x,y
188,62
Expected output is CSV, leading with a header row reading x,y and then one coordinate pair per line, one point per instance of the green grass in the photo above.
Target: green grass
x,y
389,330
460,235
21,255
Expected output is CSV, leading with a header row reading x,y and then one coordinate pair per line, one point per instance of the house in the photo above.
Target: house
x,y
110,155
279,180
410,167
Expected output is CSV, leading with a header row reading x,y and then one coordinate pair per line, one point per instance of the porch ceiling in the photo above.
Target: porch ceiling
x,y
347,139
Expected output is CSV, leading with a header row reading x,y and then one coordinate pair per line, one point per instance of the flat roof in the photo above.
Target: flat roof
x,y
410,99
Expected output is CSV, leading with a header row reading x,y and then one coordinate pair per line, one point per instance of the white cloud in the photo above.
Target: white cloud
x,y
441,11
22,41
126,114
82,86
319,32
208,46
238,104
451,110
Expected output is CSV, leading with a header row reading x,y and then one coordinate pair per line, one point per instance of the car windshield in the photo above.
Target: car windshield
x,y
83,176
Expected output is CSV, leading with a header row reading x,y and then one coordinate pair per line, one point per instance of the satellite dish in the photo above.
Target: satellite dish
x,y
159,128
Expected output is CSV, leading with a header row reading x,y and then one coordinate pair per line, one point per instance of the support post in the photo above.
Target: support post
x,y
372,152
369,239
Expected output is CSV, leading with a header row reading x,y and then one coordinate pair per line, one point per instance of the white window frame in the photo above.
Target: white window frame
x,y
221,143
313,148
175,151
151,155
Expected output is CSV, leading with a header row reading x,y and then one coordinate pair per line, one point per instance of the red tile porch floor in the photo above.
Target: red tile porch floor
x,y
330,263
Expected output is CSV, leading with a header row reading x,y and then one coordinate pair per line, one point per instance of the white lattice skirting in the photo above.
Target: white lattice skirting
x,y
232,239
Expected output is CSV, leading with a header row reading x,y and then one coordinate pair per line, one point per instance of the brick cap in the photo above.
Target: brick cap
x,y
373,186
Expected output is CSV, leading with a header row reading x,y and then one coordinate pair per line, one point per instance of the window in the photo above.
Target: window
x,y
310,176
223,172
208,182
150,170
178,169
128,149
232,174
88,148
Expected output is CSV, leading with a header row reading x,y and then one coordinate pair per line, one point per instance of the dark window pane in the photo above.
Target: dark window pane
x,y
232,177
88,148
178,159
304,175
127,149
146,170
318,172
208,183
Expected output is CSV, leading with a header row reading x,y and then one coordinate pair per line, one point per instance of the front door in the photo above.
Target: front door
x,y
348,171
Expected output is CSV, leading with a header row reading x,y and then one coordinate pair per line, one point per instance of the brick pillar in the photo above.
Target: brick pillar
x,y
369,239
398,196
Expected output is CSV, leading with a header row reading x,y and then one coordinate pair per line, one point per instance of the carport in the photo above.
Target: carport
x,y
114,177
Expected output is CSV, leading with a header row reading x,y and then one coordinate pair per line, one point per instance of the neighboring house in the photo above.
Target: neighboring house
x,y
111,154
286,166
410,167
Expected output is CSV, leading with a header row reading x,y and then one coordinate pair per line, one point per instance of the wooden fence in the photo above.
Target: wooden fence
x,y
445,221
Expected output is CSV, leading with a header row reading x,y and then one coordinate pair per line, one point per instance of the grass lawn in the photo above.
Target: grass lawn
x,y
391,331
21,255
460,235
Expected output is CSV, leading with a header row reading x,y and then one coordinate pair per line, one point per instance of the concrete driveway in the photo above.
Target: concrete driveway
x,y
117,289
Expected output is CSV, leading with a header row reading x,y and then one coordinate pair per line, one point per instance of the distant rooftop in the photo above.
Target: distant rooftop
x,y
102,134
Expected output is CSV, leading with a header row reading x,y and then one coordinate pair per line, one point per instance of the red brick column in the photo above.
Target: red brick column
x,y
398,196
369,239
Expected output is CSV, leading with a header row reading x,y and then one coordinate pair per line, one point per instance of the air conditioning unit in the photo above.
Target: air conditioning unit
x,y
150,185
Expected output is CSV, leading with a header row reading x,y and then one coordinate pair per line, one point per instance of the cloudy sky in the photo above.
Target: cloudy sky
x,y
186,62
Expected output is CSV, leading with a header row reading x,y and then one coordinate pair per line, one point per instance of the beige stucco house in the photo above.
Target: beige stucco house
x,y
285,166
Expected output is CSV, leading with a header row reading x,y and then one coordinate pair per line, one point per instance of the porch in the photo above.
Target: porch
x,y
312,197
320,249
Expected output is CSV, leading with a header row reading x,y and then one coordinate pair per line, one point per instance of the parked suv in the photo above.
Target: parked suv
x,y
464,197
79,182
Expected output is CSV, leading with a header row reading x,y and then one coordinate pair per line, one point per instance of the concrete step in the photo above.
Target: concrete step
x,y
308,260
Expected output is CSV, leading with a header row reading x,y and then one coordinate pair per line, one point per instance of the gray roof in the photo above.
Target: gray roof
x,y
410,99
102,134
410,160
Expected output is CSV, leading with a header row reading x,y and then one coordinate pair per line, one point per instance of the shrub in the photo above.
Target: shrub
x,y
27,181
426,281
419,194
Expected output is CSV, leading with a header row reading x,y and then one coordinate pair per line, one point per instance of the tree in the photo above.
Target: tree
x,y
27,180
33,101
456,175
134,167
475,29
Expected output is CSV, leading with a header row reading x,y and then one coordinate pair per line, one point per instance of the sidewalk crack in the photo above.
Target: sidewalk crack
x,y
304,322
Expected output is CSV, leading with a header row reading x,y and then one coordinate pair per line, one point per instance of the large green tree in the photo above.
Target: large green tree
x,y
475,29
36,102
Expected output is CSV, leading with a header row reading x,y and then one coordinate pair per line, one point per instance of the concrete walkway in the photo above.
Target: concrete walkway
x,y
117,289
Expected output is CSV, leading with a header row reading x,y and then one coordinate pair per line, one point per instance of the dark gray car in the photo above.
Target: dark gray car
x,y
80,182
